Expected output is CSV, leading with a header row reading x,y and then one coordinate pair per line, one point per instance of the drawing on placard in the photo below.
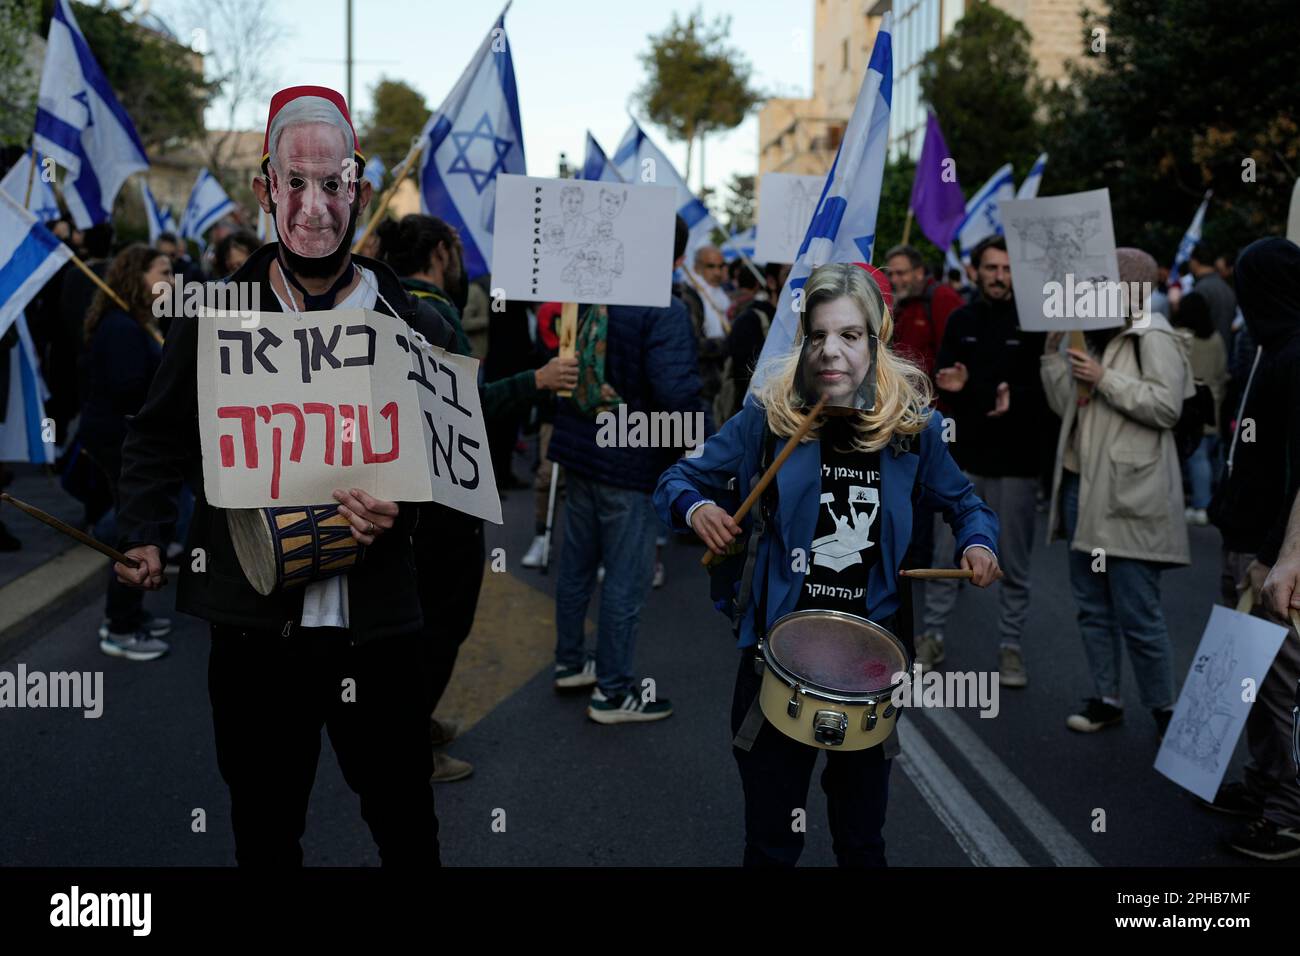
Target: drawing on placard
x,y
584,245
799,212
1199,733
1058,245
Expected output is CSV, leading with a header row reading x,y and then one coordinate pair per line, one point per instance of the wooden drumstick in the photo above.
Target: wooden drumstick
x,y
930,574
772,469
70,531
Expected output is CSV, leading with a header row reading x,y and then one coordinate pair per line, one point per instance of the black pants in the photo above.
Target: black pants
x,y
123,606
449,576
775,773
271,695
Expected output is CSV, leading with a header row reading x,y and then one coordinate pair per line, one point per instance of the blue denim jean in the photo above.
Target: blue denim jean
x,y
617,527
1200,471
1121,603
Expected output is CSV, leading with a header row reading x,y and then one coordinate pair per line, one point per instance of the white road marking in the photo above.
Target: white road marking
x,y
1063,848
973,829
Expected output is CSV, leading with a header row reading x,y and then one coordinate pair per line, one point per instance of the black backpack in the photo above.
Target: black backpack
x,y
1198,412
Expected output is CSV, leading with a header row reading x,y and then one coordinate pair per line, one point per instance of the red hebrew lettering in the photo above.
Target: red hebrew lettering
x,y
299,427
248,430
389,412
320,408
349,432
275,466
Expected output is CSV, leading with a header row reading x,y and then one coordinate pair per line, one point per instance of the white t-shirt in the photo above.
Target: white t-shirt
x,y
716,303
325,603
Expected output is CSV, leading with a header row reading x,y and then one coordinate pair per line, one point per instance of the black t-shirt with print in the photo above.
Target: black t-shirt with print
x,y
846,544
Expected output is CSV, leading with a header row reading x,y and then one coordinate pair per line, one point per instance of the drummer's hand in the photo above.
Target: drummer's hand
x,y
148,572
369,516
983,563
714,527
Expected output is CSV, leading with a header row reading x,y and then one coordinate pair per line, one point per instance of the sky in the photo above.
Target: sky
x,y
576,63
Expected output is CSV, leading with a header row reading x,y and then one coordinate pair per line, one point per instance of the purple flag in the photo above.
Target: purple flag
x,y
939,206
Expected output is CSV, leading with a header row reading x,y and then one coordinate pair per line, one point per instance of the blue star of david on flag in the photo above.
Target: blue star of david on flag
x,y
464,162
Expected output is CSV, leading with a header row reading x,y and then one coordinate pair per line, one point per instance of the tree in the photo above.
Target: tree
x,y
238,40
398,115
738,206
18,21
981,83
895,197
696,83
1173,97
157,80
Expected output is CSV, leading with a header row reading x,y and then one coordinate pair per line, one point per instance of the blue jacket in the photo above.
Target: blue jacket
x,y
650,361
736,450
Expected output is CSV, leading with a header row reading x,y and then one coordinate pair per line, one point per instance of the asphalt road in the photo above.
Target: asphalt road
x,y
1018,789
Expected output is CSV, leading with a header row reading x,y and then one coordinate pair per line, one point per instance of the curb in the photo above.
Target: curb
x,y
30,601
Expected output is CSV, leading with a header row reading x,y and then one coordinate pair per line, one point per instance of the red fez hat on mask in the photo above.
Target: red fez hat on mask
x,y
282,99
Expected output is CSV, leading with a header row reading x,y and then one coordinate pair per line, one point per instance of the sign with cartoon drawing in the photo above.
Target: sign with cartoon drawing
x,y
1230,664
571,240
786,204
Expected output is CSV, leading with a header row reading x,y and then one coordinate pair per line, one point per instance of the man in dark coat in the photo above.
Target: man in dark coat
x,y
278,662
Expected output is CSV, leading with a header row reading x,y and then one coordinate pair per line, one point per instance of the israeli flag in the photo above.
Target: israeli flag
x,y
208,203
1190,238
474,135
638,160
596,166
80,123
983,218
1029,188
375,170
844,227
740,243
42,203
160,219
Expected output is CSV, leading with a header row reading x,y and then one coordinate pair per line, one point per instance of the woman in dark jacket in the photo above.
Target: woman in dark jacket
x,y
123,349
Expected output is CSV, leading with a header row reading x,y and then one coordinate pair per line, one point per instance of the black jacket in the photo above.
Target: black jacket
x,y
162,449
120,362
1254,499
986,337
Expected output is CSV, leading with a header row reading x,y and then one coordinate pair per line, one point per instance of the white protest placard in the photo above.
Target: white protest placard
x,y
570,240
1231,662
1063,265
293,406
786,203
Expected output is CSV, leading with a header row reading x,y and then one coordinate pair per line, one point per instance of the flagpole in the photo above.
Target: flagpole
x,y
907,226
104,286
387,197
31,174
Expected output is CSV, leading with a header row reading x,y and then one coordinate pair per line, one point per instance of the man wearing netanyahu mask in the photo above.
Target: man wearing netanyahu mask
x,y
280,663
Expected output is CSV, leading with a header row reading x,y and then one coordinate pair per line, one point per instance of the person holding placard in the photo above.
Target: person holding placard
x,y
844,496
1117,485
344,652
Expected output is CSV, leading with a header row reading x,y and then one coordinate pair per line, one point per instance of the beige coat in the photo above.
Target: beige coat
x,y
1130,481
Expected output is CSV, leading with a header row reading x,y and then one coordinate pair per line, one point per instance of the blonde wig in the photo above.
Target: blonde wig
x,y
903,393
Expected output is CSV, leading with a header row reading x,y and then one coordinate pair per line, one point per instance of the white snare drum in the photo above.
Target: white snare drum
x,y
829,678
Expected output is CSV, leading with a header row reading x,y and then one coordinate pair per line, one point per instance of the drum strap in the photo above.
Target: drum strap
x,y
746,590
753,722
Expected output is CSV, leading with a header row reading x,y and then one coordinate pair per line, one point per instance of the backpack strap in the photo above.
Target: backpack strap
x,y
757,531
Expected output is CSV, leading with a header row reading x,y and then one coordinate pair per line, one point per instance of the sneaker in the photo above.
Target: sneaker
x,y
1234,799
1011,668
658,581
442,731
134,647
1197,516
533,557
626,708
574,678
929,650
1096,715
1162,716
155,626
1265,840
447,769
600,574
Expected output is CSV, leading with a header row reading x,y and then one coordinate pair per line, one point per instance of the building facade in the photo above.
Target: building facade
x,y
801,135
